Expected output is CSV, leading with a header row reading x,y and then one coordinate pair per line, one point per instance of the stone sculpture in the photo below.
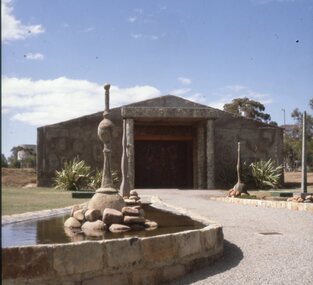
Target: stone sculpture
x,y
107,209
106,196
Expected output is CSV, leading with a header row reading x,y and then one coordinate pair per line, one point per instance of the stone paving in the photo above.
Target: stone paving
x,y
262,245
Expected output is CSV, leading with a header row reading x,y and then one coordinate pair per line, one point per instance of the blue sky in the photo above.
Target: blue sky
x,y
56,56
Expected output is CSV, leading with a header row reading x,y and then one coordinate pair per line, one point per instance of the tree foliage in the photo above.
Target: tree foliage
x,y
4,161
248,108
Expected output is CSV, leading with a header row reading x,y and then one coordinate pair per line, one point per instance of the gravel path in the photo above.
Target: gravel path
x,y
251,257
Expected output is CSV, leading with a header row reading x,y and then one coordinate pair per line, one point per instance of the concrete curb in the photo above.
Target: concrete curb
x,y
308,207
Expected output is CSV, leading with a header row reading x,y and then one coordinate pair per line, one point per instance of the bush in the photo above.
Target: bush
x,y
74,176
266,174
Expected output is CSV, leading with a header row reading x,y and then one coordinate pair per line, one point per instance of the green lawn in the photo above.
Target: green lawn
x,y
20,200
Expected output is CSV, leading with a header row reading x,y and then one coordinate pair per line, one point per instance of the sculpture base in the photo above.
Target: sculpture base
x,y
106,198
108,190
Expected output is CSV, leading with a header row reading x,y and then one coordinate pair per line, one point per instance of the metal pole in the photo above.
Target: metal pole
x,y
304,157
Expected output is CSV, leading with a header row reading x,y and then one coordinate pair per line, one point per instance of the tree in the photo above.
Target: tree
x,y
248,108
13,160
4,162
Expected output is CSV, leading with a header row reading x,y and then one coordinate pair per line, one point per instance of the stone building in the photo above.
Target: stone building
x,y
172,143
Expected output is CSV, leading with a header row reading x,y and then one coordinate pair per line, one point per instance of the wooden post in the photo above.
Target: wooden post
x,y
304,156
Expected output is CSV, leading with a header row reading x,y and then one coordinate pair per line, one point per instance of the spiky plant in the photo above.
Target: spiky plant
x,y
74,176
266,174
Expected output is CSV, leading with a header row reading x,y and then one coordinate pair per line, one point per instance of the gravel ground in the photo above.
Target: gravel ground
x,y
250,257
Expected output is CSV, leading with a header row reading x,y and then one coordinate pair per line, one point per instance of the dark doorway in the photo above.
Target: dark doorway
x,y
163,164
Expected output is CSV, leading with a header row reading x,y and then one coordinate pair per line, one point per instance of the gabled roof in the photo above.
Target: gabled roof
x,y
167,101
171,101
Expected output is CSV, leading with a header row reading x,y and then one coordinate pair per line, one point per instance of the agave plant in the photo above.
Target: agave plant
x,y
266,174
74,176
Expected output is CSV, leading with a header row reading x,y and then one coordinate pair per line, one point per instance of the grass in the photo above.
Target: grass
x,y
17,200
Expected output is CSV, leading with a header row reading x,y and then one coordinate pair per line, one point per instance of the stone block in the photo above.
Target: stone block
x,y
123,253
107,279
145,277
173,272
77,258
188,243
26,262
208,238
159,249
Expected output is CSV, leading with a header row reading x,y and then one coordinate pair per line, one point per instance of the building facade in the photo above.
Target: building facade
x,y
171,143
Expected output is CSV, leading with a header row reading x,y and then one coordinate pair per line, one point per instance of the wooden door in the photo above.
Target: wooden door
x,y
163,164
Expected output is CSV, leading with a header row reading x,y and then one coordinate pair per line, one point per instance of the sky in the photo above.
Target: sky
x,y
57,55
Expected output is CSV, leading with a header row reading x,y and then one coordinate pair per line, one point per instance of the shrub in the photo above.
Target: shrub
x,y
266,174
74,176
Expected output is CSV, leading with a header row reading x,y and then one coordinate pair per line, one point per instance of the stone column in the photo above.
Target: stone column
x,y
124,187
201,156
210,163
130,152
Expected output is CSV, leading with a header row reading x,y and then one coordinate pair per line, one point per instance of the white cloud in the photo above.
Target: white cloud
x,y
228,93
44,102
153,37
88,30
180,91
184,80
13,29
149,37
132,19
136,36
34,56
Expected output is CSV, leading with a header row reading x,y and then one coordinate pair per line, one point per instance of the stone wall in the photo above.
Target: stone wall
x,y
149,260
258,141
75,138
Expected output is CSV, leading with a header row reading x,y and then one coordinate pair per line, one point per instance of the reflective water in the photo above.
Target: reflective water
x,y
51,230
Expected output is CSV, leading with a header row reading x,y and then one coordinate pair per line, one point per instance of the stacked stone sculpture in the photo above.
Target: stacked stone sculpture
x,y
107,209
92,222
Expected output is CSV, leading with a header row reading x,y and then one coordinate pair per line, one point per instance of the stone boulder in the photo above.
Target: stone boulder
x,y
72,223
92,215
100,201
94,226
133,193
130,211
134,220
79,215
150,225
137,227
74,209
118,228
112,216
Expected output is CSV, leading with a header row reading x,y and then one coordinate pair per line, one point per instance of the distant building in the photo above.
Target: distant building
x,y
27,155
171,142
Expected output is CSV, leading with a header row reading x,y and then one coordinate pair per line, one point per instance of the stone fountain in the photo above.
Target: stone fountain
x,y
107,209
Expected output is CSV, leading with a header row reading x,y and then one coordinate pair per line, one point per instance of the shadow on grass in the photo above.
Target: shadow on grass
x,y
231,258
